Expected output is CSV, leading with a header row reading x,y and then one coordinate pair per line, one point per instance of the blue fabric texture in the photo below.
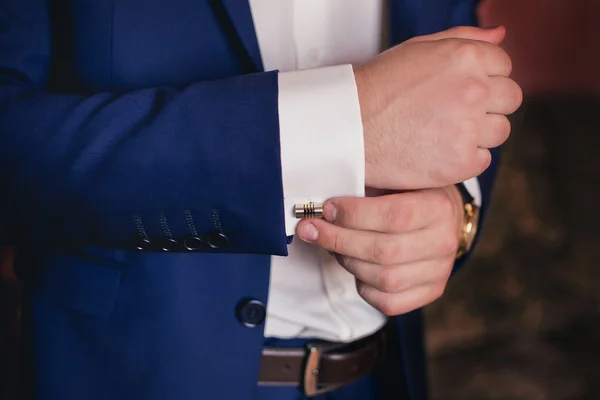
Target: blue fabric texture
x,y
152,119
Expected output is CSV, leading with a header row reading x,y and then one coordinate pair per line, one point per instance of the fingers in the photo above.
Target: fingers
x,y
379,248
479,44
506,96
495,132
403,302
395,213
484,160
493,35
398,278
495,60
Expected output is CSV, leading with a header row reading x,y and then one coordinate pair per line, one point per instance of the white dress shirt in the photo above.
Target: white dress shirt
x,y
314,43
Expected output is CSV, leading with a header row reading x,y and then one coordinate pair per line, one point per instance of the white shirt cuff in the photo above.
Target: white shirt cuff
x,y
321,135
472,185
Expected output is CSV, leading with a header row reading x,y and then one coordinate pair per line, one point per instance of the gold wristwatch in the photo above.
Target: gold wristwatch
x,y
470,222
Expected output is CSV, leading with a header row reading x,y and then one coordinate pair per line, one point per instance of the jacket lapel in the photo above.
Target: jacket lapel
x,y
239,18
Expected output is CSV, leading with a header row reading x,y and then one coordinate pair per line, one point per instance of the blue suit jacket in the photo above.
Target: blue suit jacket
x,y
153,120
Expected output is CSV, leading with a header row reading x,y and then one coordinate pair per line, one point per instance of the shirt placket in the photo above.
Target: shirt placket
x,y
310,32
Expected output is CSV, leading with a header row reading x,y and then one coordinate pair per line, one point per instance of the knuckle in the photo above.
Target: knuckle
x,y
388,280
476,91
347,212
451,168
397,217
449,243
336,243
469,130
380,301
387,306
444,204
392,309
461,166
384,252
467,50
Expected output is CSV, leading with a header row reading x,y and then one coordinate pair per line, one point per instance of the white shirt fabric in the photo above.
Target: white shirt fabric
x,y
314,43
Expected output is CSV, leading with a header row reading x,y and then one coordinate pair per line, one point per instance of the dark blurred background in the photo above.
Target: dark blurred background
x,y
522,319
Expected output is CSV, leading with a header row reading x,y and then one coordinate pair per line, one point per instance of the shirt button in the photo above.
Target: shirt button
x,y
251,313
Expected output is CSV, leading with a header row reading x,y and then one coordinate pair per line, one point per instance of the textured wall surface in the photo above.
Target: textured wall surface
x,y
554,43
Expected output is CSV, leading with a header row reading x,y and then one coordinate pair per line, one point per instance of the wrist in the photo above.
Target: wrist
x,y
363,87
470,220
365,99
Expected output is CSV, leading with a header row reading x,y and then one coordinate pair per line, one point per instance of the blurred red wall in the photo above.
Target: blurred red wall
x,y
555,44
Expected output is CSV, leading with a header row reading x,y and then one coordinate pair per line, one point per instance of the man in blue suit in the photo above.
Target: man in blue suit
x,y
160,158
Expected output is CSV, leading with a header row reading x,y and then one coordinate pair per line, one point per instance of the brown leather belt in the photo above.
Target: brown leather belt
x,y
322,367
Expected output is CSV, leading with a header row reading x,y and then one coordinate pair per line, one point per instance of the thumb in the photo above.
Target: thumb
x,y
493,35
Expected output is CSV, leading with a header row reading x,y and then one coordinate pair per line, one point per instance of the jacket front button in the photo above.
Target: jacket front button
x,y
251,313
217,240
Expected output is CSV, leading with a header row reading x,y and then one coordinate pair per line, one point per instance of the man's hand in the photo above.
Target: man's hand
x,y
400,247
433,106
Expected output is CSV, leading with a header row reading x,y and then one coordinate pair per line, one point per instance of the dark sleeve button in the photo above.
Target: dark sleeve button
x,y
217,240
251,313
165,244
141,243
192,243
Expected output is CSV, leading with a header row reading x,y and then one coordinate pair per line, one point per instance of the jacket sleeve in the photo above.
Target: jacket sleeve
x,y
159,163
464,12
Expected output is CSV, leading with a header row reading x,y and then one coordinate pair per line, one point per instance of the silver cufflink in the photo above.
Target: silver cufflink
x,y
308,210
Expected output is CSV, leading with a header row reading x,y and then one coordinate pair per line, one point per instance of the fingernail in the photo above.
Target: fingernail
x,y
308,232
330,212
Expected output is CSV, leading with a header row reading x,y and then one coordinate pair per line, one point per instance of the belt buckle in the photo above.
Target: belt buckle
x,y
310,375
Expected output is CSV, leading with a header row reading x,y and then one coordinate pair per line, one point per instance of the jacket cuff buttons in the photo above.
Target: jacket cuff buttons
x,y
216,240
